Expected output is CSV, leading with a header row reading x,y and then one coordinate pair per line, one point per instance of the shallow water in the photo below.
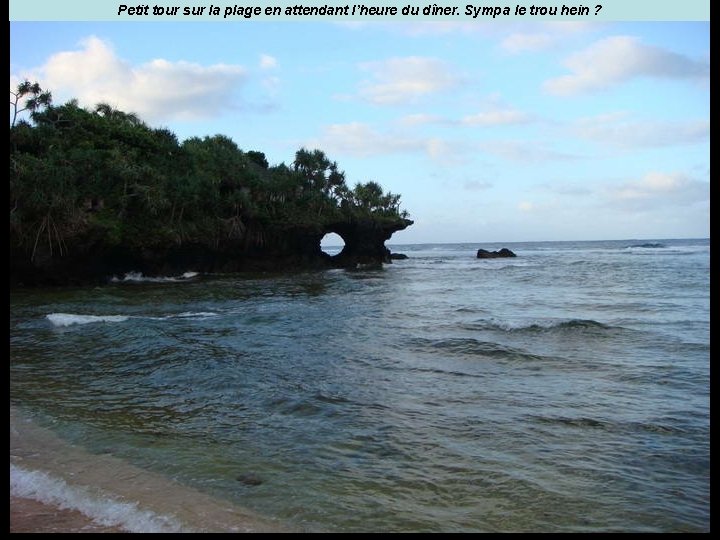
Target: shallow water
x,y
563,390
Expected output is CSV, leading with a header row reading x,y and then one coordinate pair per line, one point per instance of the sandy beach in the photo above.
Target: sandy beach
x,y
111,490
31,516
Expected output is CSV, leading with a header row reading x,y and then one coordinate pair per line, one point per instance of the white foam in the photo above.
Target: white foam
x,y
190,314
139,277
101,508
66,319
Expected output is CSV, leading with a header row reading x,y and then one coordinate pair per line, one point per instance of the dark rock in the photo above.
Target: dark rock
x,y
364,241
398,256
485,254
90,260
249,479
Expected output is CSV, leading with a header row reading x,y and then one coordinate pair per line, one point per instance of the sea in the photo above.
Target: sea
x,y
564,390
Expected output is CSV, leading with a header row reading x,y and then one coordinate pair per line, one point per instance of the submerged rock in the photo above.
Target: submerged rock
x,y
398,256
249,479
485,254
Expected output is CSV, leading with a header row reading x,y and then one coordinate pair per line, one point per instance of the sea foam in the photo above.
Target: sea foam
x,y
66,319
139,277
101,508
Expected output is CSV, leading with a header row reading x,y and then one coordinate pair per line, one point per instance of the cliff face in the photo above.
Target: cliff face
x,y
86,261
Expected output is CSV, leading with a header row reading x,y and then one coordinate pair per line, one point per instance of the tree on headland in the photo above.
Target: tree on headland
x,y
36,98
104,177
108,111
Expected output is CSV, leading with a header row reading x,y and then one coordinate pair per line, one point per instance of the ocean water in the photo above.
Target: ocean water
x,y
565,390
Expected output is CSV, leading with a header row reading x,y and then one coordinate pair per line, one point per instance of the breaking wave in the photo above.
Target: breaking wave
x,y
67,319
61,320
101,508
139,277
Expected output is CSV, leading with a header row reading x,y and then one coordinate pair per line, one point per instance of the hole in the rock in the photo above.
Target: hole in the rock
x,y
332,244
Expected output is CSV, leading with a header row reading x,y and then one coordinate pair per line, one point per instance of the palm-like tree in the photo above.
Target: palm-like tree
x,y
108,111
38,98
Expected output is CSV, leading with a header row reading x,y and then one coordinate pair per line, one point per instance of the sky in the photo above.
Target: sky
x,y
491,131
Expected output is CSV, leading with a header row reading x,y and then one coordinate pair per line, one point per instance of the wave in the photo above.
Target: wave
x,y
139,277
191,314
475,347
540,326
647,245
99,507
609,425
67,319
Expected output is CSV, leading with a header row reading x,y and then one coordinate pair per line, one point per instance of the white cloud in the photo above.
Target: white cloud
x,y
496,117
156,90
621,130
526,206
268,62
618,59
493,116
400,80
359,139
657,189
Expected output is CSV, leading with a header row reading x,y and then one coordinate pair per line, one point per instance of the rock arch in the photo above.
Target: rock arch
x,y
332,244
364,241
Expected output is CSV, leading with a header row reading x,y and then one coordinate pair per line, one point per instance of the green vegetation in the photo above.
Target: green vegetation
x,y
104,177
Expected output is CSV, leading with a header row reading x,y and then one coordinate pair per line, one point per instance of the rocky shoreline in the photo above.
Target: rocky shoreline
x,y
292,249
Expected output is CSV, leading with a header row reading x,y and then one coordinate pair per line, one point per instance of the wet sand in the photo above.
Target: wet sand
x,y
109,488
30,516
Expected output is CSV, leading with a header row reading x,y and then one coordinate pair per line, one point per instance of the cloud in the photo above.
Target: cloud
x,y
523,152
360,140
525,206
268,62
621,130
401,80
496,117
617,59
157,90
493,116
657,189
